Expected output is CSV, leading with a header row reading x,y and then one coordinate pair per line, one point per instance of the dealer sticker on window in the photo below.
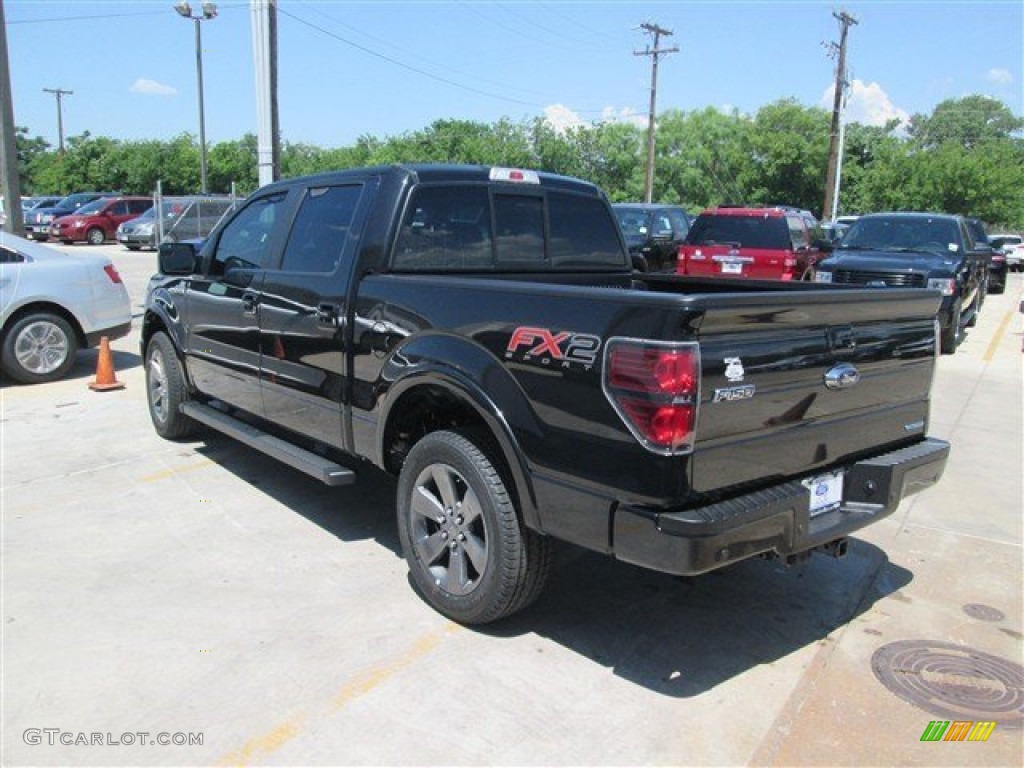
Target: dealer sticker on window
x,y
826,492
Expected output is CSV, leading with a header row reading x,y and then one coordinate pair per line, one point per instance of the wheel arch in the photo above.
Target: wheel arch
x,y
436,395
46,306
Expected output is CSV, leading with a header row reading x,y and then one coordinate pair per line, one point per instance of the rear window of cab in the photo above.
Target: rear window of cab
x,y
488,228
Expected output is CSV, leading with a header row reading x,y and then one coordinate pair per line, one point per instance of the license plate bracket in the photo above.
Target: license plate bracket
x,y
825,492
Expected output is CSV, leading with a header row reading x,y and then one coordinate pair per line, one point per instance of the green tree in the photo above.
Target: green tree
x,y
966,122
789,155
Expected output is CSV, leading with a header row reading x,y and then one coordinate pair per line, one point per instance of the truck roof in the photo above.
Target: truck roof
x,y
440,172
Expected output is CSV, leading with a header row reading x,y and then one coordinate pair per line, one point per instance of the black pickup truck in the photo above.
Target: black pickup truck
x,y
479,332
916,250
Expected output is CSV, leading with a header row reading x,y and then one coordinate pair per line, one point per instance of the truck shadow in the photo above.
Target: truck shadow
x,y
675,636
683,636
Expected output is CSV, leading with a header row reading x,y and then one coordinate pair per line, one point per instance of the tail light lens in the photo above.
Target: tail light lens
x,y
112,273
655,388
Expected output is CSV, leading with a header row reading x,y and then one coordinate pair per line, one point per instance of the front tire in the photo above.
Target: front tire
x,y
468,553
95,236
166,389
951,334
39,347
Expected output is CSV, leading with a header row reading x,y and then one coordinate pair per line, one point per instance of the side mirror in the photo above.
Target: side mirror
x,y
826,246
177,258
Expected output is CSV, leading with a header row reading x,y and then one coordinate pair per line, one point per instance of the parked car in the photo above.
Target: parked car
x,y
1012,247
763,243
997,268
52,305
97,222
30,204
37,223
653,234
914,250
184,218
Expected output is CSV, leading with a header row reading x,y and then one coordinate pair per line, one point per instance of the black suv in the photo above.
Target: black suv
x,y
915,250
653,234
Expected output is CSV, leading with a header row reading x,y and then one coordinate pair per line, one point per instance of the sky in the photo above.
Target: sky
x,y
385,68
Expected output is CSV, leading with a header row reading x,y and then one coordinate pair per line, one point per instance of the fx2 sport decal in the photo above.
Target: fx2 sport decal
x,y
547,347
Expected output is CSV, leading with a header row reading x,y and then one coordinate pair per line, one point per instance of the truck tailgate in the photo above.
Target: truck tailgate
x,y
828,378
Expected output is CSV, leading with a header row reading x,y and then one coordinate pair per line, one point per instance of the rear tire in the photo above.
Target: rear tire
x,y
469,555
39,347
166,389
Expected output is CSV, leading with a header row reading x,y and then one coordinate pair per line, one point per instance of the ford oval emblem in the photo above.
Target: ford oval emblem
x,y
842,376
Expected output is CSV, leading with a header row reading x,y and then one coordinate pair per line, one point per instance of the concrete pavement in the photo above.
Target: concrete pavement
x,y
202,589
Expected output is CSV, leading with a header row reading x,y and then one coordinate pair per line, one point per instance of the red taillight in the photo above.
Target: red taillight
x,y
655,389
112,273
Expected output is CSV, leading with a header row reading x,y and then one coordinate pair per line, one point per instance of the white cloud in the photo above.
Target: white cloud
x,y
561,118
866,103
623,115
999,77
152,88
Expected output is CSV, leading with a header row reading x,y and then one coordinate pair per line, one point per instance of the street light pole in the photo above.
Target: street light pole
x,y
209,12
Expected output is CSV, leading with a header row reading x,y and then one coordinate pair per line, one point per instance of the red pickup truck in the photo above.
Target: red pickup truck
x,y
760,243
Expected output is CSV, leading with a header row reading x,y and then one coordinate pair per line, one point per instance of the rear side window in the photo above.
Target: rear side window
x,y
769,232
797,232
321,229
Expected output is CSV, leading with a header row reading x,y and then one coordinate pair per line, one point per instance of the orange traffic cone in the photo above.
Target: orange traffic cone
x,y
105,378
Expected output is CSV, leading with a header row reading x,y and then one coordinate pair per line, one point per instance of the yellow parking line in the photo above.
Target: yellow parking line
x,y
994,344
177,471
361,684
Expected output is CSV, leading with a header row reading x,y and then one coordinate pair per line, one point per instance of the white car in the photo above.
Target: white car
x,y
1012,247
51,305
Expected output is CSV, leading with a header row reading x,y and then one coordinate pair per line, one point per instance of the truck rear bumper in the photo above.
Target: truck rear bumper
x,y
778,519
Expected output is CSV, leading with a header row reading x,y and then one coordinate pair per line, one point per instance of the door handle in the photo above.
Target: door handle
x,y
249,302
327,314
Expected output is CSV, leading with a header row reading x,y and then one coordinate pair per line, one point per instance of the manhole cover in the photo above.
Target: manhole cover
x,y
952,681
983,612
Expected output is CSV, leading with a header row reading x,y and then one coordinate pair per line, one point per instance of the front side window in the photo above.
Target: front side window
x,y
321,228
245,242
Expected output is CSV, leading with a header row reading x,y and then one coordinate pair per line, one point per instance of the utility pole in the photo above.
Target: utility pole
x,y
264,47
831,177
60,113
656,32
10,184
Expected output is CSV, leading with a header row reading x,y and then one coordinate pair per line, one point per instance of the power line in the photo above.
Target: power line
x,y
417,70
313,7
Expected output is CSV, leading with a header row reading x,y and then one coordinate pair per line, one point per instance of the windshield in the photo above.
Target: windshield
x,y
635,224
745,231
75,200
903,233
94,207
